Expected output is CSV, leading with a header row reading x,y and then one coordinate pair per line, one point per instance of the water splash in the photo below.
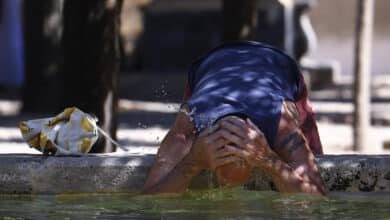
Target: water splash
x,y
142,125
162,91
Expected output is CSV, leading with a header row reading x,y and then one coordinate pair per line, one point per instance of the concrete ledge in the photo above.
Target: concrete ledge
x,y
109,173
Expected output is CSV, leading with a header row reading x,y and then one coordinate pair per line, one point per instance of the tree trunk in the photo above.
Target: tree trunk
x,y
364,26
42,49
91,61
240,19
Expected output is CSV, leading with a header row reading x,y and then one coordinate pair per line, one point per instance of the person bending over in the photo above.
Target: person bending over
x,y
245,106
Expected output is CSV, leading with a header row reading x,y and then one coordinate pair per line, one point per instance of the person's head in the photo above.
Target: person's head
x,y
234,174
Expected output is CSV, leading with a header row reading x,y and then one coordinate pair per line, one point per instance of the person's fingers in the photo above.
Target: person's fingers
x,y
215,145
234,128
239,122
253,126
237,151
215,155
233,138
226,160
222,152
245,129
218,134
208,131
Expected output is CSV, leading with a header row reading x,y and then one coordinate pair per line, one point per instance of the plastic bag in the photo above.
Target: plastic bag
x,y
70,132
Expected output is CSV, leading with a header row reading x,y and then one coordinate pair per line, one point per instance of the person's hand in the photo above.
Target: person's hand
x,y
245,140
208,151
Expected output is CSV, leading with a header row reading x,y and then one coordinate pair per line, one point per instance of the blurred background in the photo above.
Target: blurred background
x,y
126,62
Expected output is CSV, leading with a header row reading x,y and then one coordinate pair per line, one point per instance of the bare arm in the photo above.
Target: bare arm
x,y
293,149
177,180
174,147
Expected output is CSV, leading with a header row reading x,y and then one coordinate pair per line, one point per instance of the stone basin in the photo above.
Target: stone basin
x,y
111,173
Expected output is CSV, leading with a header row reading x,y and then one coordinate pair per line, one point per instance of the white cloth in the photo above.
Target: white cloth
x,y
70,132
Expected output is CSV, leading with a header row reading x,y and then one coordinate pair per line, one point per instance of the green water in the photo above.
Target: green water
x,y
211,204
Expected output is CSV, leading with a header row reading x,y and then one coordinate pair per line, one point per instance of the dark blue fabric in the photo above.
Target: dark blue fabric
x,y
246,78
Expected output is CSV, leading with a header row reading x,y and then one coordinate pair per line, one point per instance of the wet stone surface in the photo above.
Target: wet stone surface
x,y
127,173
356,172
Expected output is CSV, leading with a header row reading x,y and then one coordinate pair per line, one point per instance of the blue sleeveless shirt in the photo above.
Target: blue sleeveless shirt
x,y
246,78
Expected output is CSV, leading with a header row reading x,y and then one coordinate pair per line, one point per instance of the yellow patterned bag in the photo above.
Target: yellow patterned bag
x,y
70,132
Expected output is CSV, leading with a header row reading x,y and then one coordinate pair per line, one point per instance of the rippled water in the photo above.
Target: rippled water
x,y
211,204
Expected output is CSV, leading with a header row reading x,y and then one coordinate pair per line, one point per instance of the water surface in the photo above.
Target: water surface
x,y
226,203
